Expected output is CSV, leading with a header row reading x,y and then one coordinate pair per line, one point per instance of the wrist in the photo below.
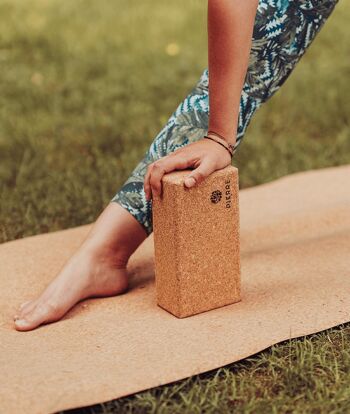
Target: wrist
x,y
222,141
228,134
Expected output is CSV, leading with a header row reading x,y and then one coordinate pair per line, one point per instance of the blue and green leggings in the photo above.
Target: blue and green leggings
x,y
283,30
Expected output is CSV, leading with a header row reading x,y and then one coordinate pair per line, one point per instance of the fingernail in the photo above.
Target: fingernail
x,y
190,182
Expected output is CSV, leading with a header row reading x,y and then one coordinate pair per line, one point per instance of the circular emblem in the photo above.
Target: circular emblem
x,y
215,196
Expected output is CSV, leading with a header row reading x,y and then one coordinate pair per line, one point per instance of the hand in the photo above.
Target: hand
x,y
205,156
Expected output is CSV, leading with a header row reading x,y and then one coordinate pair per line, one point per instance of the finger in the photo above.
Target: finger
x,y
163,166
198,175
146,184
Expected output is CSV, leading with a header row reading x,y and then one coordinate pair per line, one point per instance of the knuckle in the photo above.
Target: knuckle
x,y
158,165
180,153
181,159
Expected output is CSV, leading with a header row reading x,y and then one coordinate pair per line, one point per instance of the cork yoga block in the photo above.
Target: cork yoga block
x,y
196,243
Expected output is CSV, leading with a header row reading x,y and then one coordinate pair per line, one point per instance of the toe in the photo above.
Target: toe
x,y
42,312
24,304
22,324
21,309
25,309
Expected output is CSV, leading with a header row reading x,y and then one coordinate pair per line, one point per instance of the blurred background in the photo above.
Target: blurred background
x,y
85,87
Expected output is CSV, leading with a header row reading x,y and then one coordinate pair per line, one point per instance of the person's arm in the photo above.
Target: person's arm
x,y
230,28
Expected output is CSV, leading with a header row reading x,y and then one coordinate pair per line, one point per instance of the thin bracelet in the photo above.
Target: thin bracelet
x,y
230,147
231,153
220,136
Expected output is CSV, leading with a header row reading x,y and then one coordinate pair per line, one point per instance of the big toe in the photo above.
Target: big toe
x,y
40,314
27,307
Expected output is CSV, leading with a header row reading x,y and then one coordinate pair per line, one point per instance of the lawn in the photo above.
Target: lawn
x,y
85,88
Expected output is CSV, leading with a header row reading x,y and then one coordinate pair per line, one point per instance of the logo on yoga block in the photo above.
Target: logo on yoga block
x,y
216,196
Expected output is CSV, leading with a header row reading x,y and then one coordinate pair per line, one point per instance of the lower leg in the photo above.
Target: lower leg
x,y
97,268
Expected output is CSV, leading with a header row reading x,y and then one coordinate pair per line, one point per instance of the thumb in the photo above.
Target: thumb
x,y
199,174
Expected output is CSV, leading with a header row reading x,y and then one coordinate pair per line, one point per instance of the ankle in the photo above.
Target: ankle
x,y
114,255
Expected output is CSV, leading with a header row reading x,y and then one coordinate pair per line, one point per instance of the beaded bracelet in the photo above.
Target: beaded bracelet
x,y
229,147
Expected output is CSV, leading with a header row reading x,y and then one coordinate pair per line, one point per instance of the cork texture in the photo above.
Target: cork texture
x,y
295,238
196,242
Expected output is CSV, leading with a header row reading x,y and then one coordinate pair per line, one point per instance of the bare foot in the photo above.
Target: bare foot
x,y
86,274
97,269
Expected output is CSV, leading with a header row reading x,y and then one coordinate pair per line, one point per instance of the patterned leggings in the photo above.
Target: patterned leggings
x,y
283,30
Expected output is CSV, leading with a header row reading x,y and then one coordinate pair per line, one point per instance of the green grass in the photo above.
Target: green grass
x,y
85,88
305,375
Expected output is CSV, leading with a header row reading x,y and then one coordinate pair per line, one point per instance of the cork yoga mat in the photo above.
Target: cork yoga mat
x,y
295,253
